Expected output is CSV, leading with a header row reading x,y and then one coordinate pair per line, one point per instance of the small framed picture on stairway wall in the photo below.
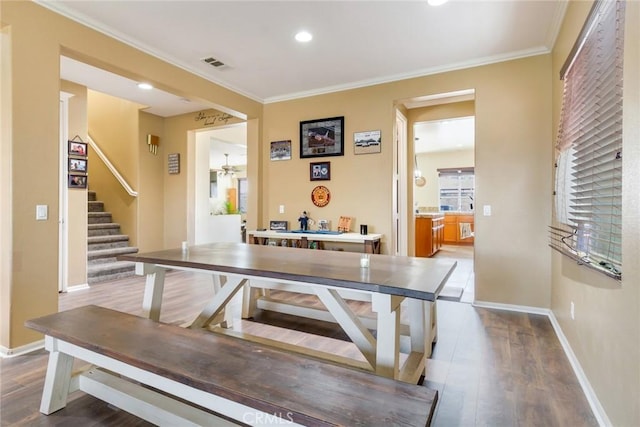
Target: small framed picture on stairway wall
x,y
77,181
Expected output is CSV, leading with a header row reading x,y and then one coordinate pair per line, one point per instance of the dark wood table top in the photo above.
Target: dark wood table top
x,y
419,278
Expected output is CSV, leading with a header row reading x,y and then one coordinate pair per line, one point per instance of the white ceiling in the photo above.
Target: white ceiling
x,y
444,135
356,43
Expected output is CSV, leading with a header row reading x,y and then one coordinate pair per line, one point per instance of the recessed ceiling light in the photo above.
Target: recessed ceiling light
x,y
436,2
304,36
145,86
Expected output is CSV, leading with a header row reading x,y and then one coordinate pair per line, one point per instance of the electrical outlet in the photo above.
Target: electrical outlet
x,y
573,311
281,208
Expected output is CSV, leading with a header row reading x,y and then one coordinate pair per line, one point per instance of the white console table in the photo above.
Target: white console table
x,y
370,242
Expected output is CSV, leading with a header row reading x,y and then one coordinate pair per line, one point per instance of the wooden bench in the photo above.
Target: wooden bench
x,y
236,380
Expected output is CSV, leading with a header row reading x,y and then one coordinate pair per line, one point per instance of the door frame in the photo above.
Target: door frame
x,y
63,195
400,196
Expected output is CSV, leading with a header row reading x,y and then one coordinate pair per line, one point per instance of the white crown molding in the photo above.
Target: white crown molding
x,y
420,73
592,398
110,32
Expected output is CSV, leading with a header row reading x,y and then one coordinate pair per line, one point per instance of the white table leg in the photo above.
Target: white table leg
x,y
387,308
218,282
154,286
218,302
57,380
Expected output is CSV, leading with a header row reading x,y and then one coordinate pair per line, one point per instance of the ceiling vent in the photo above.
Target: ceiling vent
x,y
214,62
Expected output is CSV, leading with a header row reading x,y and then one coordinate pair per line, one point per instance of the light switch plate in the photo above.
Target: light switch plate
x,y
486,210
42,212
281,208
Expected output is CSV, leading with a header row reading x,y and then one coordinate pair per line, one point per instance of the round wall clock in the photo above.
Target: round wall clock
x,y
320,196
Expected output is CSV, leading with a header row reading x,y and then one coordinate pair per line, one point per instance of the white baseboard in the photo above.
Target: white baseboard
x,y
594,403
511,307
19,351
77,287
596,407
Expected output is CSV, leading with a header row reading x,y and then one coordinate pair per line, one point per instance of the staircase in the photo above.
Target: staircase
x,y
104,244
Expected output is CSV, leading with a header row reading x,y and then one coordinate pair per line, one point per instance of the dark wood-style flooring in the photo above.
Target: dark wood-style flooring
x,y
491,368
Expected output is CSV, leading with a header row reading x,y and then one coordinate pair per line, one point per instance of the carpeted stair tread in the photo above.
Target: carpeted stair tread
x,y
108,238
113,252
95,269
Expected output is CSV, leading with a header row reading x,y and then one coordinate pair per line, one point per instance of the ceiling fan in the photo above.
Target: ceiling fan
x,y
227,169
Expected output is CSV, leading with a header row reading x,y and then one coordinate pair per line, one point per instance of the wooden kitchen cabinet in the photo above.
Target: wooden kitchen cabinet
x,y
452,229
429,234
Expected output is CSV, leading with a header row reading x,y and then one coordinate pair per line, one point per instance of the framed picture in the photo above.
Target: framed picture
x,y
281,150
323,137
320,171
77,181
77,165
77,148
279,225
367,142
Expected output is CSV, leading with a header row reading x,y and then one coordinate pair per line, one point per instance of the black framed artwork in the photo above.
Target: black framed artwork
x,y
320,171
322,137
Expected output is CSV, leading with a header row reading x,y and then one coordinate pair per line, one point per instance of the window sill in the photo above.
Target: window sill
x,y
586,263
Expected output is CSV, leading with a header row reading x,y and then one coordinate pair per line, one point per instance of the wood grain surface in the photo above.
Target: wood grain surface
x,y
418,278
301,389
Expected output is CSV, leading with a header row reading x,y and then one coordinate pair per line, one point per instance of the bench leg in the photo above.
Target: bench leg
x,y
57,380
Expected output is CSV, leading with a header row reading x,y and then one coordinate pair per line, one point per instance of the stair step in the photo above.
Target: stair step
x,y
95,206
107,228
109,271
103,256
99,217
107,241
91,196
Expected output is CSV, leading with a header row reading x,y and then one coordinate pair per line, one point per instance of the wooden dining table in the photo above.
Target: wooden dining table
x,y
392,284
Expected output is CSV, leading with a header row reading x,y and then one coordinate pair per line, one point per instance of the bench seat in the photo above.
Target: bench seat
x,y
241,380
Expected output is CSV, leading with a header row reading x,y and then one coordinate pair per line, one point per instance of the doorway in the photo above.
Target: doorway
x,y
445,158
220,172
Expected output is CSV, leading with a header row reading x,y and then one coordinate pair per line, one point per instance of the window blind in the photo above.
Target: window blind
x,y
589,166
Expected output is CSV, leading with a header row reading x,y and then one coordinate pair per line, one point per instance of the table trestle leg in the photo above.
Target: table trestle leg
x,y
57,380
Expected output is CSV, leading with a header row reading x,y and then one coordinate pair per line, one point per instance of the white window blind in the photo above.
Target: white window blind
x,y
457,189
589,167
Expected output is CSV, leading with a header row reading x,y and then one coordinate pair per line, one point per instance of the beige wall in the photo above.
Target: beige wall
x,y
513,170
428,165
179,188
32,133
77,198
605,335
150,186
113,125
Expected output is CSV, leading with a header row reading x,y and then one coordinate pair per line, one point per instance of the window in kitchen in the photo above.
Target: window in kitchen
x,y
457,189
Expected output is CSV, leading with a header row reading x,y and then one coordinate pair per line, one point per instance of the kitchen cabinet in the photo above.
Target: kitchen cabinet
x,y
452,229
429,234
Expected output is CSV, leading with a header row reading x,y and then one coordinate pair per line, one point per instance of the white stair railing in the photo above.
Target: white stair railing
x,y
112,168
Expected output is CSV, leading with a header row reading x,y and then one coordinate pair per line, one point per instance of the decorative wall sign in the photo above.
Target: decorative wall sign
x,y
281,150
322,137
174,163
367,142
212,119
320,196
320,171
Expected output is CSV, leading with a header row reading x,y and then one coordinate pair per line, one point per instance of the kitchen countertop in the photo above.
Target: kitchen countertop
x,y
440,214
